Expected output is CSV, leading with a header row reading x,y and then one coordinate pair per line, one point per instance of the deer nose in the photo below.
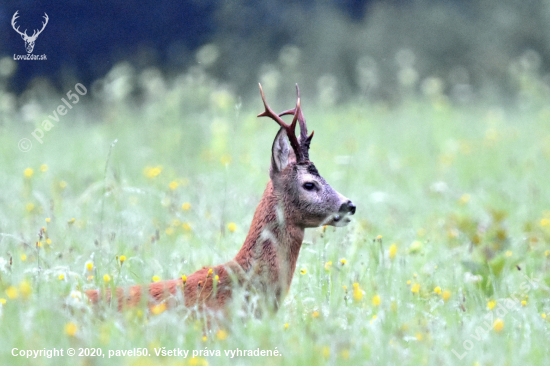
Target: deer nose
x,y
348,207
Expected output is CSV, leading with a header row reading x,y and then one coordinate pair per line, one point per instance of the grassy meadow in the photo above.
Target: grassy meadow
x,y
446,261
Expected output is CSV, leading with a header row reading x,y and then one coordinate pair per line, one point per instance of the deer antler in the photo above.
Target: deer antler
x,y
35,35
305,140
290,129
24,34
15,16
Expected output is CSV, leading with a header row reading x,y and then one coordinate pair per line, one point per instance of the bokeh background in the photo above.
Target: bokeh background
x,y
432,116
341,49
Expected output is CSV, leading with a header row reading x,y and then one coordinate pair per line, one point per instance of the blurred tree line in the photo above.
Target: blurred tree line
x,y
376,49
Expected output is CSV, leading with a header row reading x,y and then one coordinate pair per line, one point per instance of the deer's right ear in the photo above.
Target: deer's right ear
x,y
281,154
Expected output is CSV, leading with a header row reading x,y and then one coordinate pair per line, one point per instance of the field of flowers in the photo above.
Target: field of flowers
x,y
445,263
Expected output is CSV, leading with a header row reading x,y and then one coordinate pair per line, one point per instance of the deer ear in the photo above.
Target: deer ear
x,y
281,153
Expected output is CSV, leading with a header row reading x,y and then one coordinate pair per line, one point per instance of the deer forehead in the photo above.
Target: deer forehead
x,y
307,172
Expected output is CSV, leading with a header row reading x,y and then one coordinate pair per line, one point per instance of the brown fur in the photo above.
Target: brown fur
x,y
259,263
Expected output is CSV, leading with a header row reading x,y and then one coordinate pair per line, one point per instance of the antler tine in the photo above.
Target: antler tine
x,y
305,140
290,129
301,119
46,18
13,19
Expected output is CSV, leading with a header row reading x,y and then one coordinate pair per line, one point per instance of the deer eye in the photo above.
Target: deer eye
x,y
308,186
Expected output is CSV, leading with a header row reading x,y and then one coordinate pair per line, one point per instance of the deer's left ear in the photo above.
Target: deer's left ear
x,y
281,153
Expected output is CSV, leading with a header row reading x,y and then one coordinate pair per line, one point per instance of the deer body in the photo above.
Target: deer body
x,y
295,198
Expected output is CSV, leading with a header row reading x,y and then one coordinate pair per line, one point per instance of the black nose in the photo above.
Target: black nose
x,y
348,207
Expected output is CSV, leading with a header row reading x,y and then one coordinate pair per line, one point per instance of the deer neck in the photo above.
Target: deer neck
x,y
271,248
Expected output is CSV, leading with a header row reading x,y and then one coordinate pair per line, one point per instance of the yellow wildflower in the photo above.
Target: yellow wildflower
x,y
184,278
343,261
62,184
232,227
152,172
303,271
186,206
437,290
156,278
498,325
25,288
186,226
286,326
44,168
376,300
491,304
61,277
357,293
173,185
345,354
415,288
446,295
28,173
158,309
464,199
48,219
523,303
328,265
89,266
2,301
71,328
29,206
508,253
23,257
106,278
221,334
392,251
12,292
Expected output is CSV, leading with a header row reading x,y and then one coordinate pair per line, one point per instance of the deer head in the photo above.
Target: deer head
x,y
29,41
306,197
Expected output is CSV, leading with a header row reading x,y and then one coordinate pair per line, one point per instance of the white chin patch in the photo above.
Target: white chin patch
x,y
338,219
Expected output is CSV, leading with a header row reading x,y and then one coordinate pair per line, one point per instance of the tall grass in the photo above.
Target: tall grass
x,y
452,212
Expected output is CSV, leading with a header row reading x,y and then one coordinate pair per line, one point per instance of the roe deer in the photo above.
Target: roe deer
x,y
295,198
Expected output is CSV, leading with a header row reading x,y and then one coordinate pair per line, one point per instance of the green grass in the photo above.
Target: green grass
x,y
467,187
